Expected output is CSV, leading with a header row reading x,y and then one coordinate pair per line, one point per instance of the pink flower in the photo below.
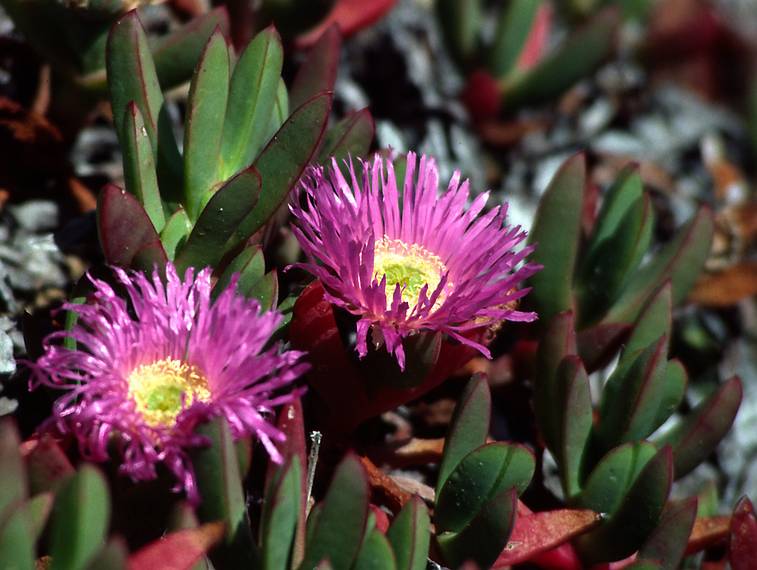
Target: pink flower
x,y
409,262
146,372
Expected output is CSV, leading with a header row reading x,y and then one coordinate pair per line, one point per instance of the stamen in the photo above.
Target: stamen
x,y
411,266
162,389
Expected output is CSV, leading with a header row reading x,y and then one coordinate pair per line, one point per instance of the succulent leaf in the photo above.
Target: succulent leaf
x,y
349,138
667,543
410,535
317,73
376,553
513,28
280,516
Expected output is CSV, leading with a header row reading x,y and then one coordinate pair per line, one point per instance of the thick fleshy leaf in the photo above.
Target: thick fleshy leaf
x,y
460,23
575,422
317,73
280,515
743,544
176,55
140,177
674,390
47,465
249,265
637,515
513,28
218,482
349,138
16,538
338,531
421,355
376,553
468,428
482,474
284,159
174,233
679,261
79,520
13,486
350,16
654,322
410,535
577,57
700,432
557,232
179,550
558,341
127,236
252,98
667,543
631,397
599,344
613,476
206,108
38,510
265,290
205,246
611,260
280,111
113,556
484,538
132,77
536,533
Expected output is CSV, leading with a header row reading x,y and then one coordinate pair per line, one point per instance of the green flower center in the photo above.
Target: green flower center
x,y
162,389
409,266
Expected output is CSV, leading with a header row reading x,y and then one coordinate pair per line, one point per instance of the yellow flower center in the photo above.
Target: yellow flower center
x,y
162,389
411,266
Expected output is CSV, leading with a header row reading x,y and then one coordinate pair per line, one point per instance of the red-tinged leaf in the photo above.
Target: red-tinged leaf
x,y
46,464
350,16
127,236
599,344
349,138
707,532
317,73
179,550
698,434
381,518
667,543
743,544
536,43
538,533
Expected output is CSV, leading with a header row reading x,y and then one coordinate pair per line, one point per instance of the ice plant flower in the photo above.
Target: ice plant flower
x,y
411,261
145,372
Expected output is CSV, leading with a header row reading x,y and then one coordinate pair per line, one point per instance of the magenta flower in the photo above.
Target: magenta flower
x,y
411,262
145,373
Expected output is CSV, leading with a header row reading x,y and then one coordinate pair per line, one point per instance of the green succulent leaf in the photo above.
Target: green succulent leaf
x,y
249,264
317,73
139,167
280,111
667,543
613,476
631,397
112,556
38,510
581,54
460,23
481,475
675,383
206,108
265,290
410,535
513,28
176,230
654,322
16,538
280,514
349,138
132,78
699,433
557,232
338,531
283,161
219,484
574,423
176,54
679,261
558,341
375,554
484,537
79,520
224,212
13,486
468,428
252,99
637,515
